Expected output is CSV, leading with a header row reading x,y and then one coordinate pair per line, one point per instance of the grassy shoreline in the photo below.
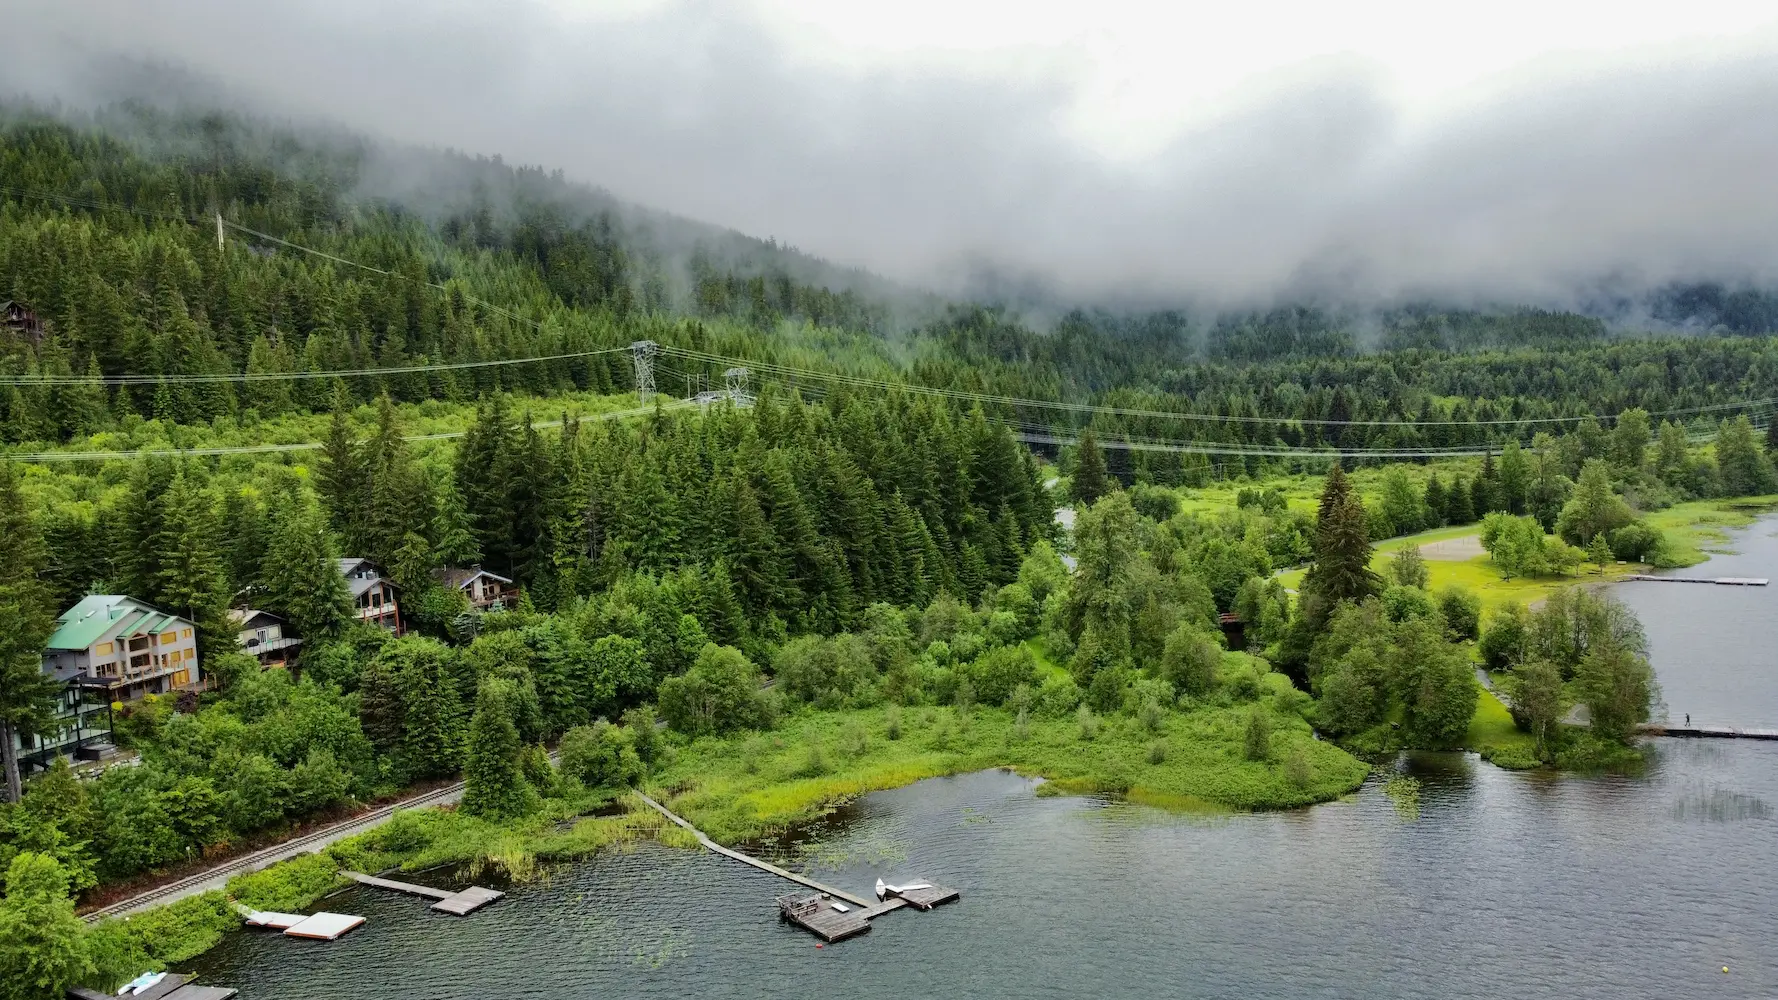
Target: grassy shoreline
x,y
752,785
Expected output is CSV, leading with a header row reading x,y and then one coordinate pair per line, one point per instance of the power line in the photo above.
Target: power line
x,y
266,449
181,379
960,394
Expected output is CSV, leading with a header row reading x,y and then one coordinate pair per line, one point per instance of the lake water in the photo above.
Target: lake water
x,y
1716,648
1505,885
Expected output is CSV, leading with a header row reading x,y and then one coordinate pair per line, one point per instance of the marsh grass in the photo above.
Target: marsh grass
x,y
1202,761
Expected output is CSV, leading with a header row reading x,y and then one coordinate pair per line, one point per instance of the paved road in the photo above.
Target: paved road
x,y
217,877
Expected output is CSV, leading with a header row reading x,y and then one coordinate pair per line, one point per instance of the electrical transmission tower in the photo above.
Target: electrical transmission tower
x,y
642,353
734,381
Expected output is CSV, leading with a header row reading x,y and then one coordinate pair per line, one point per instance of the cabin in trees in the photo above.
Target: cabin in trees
x,y
17,319
262,636
373,597
486,591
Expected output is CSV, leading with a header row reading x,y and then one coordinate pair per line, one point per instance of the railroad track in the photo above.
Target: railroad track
x,y
277,852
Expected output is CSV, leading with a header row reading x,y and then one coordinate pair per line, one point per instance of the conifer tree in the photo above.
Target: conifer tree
x,y
300,577
1435,501
339,476
191,580
1342,567
1460,503
27,695
1090,481
431,729
453,543
494,785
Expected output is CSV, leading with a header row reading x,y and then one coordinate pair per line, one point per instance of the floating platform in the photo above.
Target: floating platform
x,y
922,895
325,926
460,903
468,901
823,916
1720,581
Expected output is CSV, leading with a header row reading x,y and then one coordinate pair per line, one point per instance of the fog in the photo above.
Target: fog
x,y
1556,182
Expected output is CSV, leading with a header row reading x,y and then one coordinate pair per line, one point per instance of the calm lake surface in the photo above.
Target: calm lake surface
x,y
1716,648
1506,885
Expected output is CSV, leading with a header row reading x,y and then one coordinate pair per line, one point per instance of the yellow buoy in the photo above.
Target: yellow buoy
x,y
1725,970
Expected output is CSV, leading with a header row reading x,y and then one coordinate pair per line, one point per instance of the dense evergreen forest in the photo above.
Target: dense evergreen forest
x,y
863,525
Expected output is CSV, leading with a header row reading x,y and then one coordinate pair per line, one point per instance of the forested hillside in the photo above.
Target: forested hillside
x,y
232,354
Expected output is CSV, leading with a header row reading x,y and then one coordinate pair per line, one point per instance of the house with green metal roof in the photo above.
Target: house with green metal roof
x,y
110,648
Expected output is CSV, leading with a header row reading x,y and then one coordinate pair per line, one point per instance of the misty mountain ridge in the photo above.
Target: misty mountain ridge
x,y
655,259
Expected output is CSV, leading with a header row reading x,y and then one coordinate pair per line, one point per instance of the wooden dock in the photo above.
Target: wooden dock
x,y
460,903
1708,732
1720,581
829,913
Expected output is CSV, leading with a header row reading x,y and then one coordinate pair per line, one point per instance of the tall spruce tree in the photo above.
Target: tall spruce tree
x,y
191,580
494,784
339,476
300,578
1090,479
1342,567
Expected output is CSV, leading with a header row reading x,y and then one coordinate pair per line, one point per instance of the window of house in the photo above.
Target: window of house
x,y
185,633
104,649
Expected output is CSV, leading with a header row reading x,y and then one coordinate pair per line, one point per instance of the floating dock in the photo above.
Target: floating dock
x,y
829,913
832,920
325,926
1720,581
460,903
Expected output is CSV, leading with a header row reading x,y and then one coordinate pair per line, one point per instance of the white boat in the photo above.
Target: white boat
x,y
880,888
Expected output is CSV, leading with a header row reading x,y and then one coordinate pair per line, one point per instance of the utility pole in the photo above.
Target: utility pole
x,y
642,353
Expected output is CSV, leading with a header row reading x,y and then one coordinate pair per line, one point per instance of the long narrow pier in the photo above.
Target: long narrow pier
x,y
1709,732
461,903
1720,581
755,862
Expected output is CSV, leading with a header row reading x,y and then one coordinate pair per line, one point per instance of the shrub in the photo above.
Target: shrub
x,y
1257,743
719,694
1088,722
1637,541
1400,603
1462,612
998,672
1189,660
1058,697
600,756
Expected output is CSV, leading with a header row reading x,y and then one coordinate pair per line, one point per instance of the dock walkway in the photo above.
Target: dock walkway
x,y
755,862
1720,581
460,903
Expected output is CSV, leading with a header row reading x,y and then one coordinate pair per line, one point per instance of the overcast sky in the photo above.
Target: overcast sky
x,y
1221,152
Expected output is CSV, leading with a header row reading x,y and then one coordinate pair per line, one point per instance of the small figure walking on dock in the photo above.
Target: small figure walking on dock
x,y
1688,718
